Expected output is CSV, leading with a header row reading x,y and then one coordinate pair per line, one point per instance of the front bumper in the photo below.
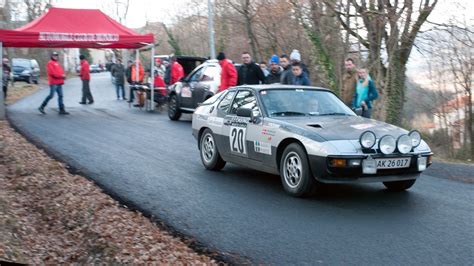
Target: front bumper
x,y
323,172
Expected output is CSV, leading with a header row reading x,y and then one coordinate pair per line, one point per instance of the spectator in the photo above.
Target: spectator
x,y
228,73
264,68
160,68
177,71
286,75
6,76
249,73
274,75
365,93
56,79
295,57
167,77
136,77
299,77
85,77
128,73
349,82
118,72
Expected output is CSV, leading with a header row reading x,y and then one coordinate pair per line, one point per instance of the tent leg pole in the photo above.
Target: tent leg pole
x,y
2,98
152,74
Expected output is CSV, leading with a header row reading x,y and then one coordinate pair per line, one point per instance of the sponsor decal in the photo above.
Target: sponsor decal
x,y
263,147
186,92
268,132
78,37
362,126
215,121
236,121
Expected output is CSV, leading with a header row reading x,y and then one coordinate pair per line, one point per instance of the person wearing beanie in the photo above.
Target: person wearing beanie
x,y
56,79
85,77
228,73
295,57
250,72
275,72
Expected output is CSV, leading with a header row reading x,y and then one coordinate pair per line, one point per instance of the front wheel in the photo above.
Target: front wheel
x,y
210,157
173,109
399,185
295,172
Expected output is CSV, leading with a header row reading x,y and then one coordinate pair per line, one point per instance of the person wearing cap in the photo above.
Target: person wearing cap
x,y
228,73
56,79
86,78
295,57
274,74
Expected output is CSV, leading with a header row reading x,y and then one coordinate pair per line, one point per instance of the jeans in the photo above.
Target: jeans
x,y
52,89
119,88
86,92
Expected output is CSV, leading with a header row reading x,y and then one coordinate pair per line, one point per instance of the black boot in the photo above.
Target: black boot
x,y
63,112
41,109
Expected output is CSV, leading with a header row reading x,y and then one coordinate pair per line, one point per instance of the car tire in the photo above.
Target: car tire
x,y
399,185
295,173
173,108
36,81
210,157
30,80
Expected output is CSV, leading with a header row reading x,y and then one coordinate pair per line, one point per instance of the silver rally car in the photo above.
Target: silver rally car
x,y
307,136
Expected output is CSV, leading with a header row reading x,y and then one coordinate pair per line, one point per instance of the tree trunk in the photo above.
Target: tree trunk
x,y
395,89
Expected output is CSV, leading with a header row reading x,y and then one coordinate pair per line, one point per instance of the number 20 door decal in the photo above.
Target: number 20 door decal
x,y
237,140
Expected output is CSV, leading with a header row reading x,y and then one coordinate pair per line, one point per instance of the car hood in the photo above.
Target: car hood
x,y
18,69
342,127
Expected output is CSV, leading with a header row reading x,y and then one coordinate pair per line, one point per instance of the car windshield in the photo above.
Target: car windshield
x,y
20,62
302,102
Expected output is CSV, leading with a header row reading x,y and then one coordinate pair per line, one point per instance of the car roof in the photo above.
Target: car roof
x,y
280,86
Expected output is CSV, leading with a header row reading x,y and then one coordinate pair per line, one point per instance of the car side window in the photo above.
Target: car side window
x,y
210,73
196,76
225,103
244,99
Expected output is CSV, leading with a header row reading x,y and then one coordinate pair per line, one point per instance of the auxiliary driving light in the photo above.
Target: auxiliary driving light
x,y
387,144
404,144
415,138
367,139
422,163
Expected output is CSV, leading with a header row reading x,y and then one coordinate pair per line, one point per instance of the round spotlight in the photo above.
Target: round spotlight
x,y
387,144
415,138
367,139
404,144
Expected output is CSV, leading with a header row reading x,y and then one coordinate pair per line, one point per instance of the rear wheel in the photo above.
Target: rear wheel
x,y
295,172
173,109
210,157
399,185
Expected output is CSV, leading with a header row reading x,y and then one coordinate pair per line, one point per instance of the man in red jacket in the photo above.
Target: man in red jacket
x,y
85,77
177,71
228,73
56,79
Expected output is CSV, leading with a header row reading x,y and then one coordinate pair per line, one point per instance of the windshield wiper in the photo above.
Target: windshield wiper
x,y
287,113
334,114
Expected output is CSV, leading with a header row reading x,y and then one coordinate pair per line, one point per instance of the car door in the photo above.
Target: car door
x,y
188,85
207,84
240,132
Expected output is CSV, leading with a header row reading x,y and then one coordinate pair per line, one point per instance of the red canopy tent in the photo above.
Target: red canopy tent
x,y
74,28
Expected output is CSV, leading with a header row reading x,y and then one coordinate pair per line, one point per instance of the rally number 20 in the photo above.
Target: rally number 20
x,y
237,140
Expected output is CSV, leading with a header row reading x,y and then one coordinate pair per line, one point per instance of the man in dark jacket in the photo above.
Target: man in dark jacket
x,y
6,76
286,76
118,72
249,73
275,71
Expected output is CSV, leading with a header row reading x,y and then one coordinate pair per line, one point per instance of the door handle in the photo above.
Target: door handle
x,y
227,123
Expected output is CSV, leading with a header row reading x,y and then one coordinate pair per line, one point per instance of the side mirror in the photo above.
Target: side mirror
x,y
244,112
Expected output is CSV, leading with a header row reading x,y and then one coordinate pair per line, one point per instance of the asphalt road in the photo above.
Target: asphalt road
x,y
154,163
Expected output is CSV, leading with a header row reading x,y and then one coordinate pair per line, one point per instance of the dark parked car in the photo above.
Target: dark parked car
x,y
24,69
95,69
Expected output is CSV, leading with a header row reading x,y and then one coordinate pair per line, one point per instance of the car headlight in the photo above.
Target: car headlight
x,y
25,72
387,144
415,138
404,144
367,139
